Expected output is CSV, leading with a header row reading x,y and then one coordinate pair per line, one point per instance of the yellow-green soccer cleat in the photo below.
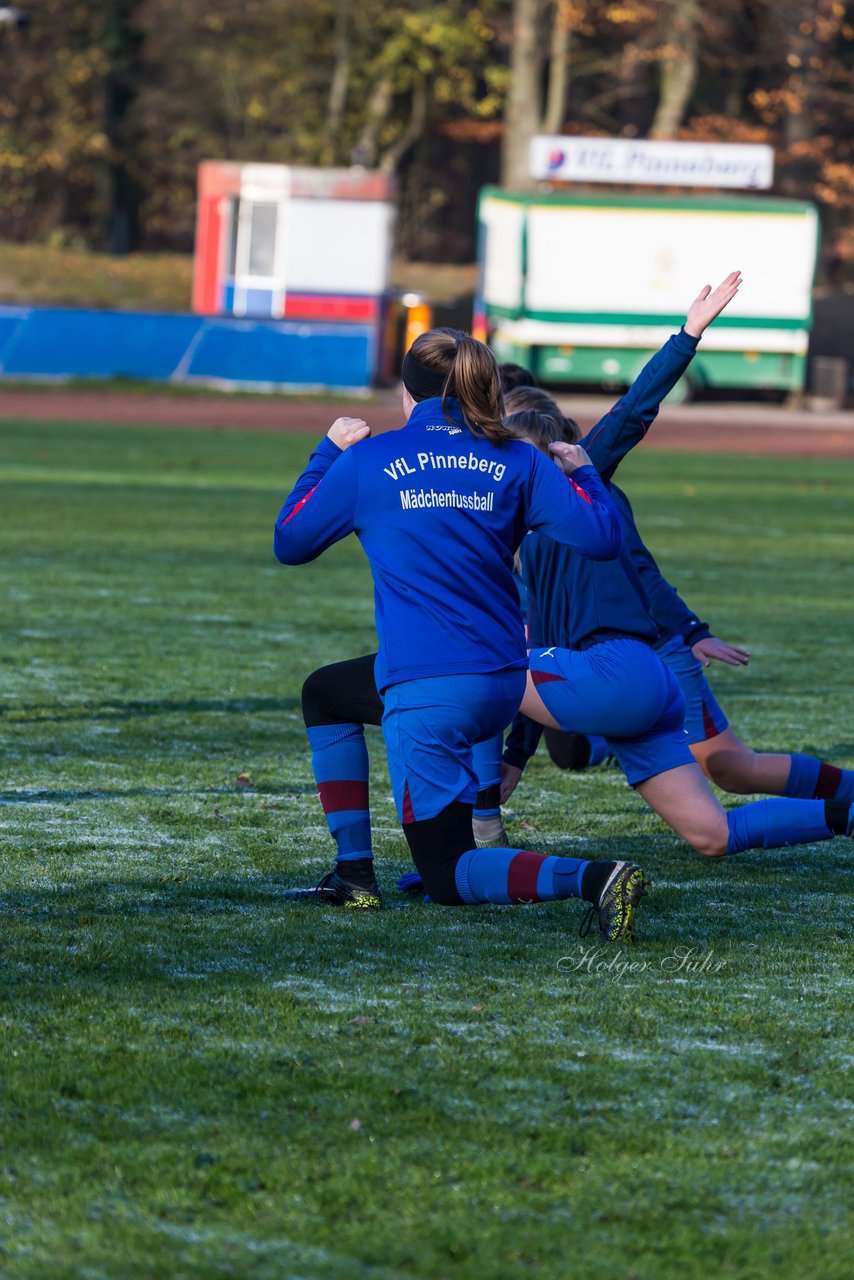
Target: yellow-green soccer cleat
x,y
617,903
334,891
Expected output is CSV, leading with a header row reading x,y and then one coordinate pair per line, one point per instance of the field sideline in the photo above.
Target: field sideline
x,y
708,426
200,1081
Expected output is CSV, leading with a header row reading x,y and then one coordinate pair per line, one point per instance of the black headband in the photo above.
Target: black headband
x,y
421,383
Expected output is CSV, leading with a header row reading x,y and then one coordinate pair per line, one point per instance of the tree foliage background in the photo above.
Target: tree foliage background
x,y
106,108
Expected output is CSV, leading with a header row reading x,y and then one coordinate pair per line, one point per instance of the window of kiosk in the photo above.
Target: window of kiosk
x,y
258,249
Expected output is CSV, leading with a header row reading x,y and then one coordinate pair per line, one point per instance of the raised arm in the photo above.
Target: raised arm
x,y
626,424
321,507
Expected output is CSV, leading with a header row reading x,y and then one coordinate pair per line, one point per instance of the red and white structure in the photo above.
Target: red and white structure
x,y
281,243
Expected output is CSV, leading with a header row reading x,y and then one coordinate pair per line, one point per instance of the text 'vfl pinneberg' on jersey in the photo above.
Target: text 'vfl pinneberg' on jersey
x,y
419,499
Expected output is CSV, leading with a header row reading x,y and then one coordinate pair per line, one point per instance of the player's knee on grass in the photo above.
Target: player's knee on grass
x,y
711,844
567,750
704,824
436,845
686,802
705,828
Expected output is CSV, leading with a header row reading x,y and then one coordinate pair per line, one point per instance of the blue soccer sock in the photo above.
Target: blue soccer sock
x,y
517,875
339,758
769,824
487,765
814,779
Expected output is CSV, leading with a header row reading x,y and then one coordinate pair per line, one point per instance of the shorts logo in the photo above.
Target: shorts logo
x,y
548,653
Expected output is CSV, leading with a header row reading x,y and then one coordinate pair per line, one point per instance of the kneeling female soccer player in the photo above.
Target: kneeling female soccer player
x,y
440,507
594,670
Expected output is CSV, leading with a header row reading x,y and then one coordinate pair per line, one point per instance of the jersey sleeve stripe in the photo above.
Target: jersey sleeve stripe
x,y
299,506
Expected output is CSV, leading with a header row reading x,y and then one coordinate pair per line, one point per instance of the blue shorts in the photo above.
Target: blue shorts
x,y
704,718
621,690
429,728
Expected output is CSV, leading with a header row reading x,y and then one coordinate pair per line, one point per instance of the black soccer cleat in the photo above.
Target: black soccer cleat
x,y
615,910
335,891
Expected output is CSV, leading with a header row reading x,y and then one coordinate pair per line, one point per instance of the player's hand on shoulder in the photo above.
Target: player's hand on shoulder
x,y
713,649
347,431
709,303
569,456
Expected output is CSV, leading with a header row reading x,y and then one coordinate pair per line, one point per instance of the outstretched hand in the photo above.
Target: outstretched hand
x,y
713,648
709,303
347,431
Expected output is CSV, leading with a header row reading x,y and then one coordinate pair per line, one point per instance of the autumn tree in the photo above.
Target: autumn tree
x,y
540,51
53,145
107,109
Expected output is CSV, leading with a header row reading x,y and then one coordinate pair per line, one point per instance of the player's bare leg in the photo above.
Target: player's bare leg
x,y
732,765
683,799
534,707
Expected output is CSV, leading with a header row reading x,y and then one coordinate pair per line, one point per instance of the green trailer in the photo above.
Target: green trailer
x,y
582,288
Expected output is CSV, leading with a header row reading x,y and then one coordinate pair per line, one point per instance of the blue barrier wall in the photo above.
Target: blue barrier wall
x,y
48,343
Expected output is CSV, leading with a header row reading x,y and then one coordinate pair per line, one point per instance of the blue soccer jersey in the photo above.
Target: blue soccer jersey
x,y
440,512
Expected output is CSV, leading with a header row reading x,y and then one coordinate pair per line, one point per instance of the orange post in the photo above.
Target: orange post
x,y
419,318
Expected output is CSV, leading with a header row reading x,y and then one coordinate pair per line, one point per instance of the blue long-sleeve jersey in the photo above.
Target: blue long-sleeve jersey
x,y
666,607
576,602
440,512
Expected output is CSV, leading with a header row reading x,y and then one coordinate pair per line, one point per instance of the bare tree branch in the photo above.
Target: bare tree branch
x,y
679,66
413,131
340,77
558,87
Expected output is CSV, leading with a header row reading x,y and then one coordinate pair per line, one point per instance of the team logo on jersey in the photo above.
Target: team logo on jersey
x,y
452,431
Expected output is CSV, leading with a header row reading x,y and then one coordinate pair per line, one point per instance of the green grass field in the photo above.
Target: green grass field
x,y
202,1081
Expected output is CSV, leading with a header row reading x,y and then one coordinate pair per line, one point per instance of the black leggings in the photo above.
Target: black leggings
x,y
436,845
343,693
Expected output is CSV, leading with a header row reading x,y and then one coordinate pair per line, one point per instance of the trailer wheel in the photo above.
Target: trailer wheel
x,y
682,393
